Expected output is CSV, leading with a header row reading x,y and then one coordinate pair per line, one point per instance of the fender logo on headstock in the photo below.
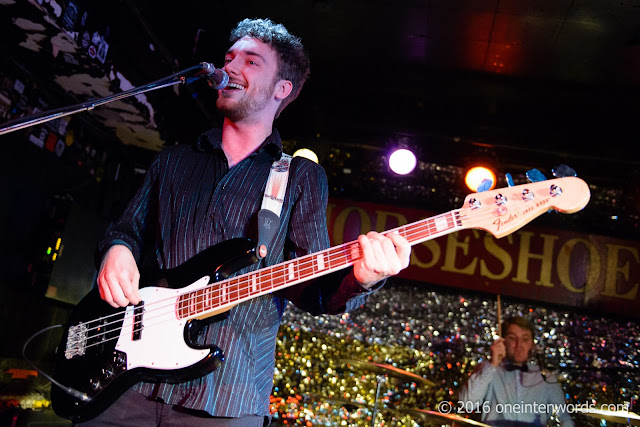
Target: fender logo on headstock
x,y
499,222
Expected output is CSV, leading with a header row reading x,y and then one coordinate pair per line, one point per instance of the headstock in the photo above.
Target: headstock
x,y
503,211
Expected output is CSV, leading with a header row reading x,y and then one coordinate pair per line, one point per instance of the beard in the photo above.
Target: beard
x,y
237,110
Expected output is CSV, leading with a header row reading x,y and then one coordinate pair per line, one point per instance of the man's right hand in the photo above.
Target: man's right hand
x,y
119,278
498,351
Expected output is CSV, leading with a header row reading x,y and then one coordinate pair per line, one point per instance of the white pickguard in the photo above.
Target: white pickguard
x,y
162,344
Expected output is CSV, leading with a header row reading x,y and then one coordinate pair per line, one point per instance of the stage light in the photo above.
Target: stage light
x,y
307,154
402,161
476,175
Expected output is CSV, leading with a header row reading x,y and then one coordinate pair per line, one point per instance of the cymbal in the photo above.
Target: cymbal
x,y
622,417
349,404
441,417
389,370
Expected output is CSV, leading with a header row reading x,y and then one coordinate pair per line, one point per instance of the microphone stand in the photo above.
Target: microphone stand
x,y
187,75
381,379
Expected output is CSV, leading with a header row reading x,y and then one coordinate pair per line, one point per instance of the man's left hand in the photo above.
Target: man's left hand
x,y
382,256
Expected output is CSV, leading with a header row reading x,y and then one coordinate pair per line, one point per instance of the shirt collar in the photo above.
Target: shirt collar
x,y
527,367
212,140
512,367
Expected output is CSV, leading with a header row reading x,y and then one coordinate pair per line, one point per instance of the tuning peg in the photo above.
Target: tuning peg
x,y
509,179
562,171
485,185
534,175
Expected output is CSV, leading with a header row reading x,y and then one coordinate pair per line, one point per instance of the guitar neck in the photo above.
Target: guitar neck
x,y
500,212
221,296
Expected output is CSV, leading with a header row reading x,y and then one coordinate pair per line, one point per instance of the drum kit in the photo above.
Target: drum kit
x,y
385,373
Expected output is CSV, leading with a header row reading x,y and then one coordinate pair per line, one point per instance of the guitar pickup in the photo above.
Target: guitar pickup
x,y
138,313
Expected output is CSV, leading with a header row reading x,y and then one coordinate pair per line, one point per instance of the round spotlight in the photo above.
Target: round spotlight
x,y
476,175
307,154
402,161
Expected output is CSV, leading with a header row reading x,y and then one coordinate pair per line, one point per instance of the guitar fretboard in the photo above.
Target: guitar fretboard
x,y
229,292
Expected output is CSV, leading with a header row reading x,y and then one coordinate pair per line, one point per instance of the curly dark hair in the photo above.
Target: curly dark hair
x,y
293,59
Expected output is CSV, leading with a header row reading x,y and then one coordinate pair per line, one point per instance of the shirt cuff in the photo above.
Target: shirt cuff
x,y
356,287
350,295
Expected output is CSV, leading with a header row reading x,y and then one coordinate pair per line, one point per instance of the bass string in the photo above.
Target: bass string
x,y
413,232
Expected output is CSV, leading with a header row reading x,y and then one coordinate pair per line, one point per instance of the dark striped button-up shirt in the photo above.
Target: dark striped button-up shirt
x,y
190,200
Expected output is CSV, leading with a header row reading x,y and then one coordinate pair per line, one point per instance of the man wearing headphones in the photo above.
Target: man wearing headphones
x,y
509,390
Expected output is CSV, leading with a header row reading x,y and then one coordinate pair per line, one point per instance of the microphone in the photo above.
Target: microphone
x,y
216,77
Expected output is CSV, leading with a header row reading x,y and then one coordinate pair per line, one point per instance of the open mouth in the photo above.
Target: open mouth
x,y
235,86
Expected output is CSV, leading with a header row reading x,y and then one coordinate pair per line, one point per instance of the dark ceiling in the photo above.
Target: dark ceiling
x,y
526,83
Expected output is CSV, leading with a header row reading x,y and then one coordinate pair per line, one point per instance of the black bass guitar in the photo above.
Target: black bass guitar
x,y
104,351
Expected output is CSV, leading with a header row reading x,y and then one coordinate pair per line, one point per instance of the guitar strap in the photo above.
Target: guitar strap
x,y
268,223
269,214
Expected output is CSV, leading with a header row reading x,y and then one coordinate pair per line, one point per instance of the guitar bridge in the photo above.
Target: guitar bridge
x,y
76,341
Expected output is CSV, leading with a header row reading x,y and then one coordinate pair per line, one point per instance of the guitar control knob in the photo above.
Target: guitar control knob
x,y
95,384
107,372
119,359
